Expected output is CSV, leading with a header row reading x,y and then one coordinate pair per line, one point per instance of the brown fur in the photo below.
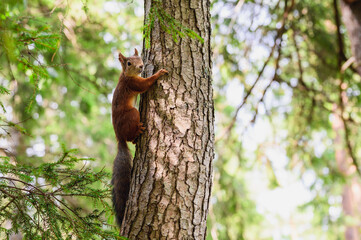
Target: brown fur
x,y
127,125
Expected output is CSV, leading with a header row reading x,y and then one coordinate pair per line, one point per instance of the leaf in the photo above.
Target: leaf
x,y
4,90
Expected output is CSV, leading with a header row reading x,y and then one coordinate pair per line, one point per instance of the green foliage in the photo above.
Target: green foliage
x,y
22,40
167,23
38,201
56,75
10,124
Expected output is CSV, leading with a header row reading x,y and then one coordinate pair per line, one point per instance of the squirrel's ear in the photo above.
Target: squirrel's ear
x,y
135,52
122,59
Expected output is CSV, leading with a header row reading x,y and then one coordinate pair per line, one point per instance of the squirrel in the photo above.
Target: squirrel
x,y
127,125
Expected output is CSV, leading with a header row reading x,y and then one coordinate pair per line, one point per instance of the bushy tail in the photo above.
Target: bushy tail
x,y
121,180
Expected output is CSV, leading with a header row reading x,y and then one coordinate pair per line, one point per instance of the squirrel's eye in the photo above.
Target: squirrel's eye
x,y
129,64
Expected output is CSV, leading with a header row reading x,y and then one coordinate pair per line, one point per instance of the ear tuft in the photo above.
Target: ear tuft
x,y
135,52
122,59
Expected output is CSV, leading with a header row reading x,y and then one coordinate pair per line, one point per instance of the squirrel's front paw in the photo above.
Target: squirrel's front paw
x,y
162,72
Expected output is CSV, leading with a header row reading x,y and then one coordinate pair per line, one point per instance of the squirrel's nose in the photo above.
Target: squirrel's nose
x,y
141,66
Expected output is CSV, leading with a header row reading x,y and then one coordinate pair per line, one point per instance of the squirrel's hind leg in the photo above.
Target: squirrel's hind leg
x,y
133,126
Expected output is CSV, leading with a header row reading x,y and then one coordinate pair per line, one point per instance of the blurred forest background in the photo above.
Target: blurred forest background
x,y
287,118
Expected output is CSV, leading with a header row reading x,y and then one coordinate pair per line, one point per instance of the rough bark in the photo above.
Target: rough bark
x,y
172,170
351,14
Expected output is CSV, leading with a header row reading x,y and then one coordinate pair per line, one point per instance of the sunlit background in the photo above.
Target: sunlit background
x,y
276,90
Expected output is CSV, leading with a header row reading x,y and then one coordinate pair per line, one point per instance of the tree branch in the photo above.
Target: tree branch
x,y
279,35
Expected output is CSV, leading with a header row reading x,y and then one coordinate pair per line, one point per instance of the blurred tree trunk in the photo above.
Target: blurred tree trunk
x,y
351,13
172,172
351,197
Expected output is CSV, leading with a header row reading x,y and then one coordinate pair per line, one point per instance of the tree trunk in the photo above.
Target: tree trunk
x,y
351,191
172,172
351,14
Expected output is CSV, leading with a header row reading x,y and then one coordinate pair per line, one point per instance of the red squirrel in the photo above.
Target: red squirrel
x,y
127,125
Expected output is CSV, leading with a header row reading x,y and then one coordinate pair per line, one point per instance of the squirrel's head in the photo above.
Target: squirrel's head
x,y
133,65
